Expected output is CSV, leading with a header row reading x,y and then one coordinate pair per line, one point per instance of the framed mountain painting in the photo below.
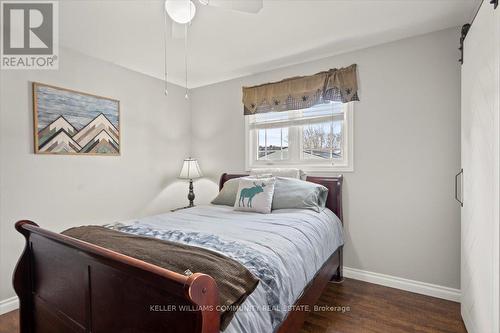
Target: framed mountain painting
x,y
69,122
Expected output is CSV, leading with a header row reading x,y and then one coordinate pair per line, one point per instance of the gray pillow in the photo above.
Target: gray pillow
x,y
227,196
300,194
288,193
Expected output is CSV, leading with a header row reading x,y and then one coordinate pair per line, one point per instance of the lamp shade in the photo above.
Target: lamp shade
x,y
190,169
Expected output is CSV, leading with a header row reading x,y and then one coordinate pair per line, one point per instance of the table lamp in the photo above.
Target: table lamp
x,y
190,170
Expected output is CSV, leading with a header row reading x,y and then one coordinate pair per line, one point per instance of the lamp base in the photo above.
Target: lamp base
x,y
191,194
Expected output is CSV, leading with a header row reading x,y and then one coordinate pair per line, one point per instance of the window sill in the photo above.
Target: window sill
x,y
308,169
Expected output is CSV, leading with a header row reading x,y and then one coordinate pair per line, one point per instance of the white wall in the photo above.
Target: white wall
x,y
400,215
63,191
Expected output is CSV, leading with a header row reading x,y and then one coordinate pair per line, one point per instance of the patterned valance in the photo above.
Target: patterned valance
x,y
339,85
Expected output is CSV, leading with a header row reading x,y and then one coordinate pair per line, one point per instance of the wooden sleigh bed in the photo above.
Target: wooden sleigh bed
x,y
66,285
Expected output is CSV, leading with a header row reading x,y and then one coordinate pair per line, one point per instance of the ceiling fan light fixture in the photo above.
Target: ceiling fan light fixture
x,y
181,11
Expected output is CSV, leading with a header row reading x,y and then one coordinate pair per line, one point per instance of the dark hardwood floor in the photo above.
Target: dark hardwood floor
x,y
378,309
361,307
8,322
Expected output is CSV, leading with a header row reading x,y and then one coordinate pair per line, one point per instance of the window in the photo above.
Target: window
x,y
314,139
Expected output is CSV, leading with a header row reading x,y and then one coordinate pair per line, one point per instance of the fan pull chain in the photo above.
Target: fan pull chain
x,y
165,52
186,54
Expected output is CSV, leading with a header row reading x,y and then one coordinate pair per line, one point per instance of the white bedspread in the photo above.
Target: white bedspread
x,y
283,249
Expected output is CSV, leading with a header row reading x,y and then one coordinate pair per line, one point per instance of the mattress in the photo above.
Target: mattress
x,y
284,249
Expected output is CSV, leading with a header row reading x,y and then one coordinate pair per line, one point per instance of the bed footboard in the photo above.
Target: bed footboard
x,y
66,285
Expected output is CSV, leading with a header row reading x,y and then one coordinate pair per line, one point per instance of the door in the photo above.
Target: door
x,y
480,152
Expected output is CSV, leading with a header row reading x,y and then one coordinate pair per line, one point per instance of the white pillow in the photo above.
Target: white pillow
x,y
255,195
278,172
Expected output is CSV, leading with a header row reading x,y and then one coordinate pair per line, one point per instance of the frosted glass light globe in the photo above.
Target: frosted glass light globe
x,y
181,11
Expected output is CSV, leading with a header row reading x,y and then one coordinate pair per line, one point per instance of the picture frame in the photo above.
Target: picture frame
x,y
71,122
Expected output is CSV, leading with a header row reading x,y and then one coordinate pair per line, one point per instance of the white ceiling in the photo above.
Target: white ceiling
x,y
225,44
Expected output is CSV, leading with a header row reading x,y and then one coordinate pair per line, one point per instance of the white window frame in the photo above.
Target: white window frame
x,y
347,164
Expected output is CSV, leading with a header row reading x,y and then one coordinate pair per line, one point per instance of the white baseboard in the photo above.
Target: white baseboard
x,y
404,284
8,305
418,287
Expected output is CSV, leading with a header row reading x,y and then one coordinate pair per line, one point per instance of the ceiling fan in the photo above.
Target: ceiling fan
x,y
182,12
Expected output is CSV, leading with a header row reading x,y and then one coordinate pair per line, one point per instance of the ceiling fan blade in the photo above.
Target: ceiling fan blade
x,y
247,6
177,30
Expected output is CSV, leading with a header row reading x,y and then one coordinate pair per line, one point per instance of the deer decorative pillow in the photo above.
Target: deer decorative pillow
x,y
255,195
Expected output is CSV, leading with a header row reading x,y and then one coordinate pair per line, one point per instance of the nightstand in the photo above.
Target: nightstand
x,y
181,208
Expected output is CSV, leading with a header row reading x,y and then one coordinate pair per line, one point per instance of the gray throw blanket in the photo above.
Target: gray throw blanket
x,y
234,281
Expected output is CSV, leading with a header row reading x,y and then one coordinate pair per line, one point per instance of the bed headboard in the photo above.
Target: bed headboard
x,y
333,184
